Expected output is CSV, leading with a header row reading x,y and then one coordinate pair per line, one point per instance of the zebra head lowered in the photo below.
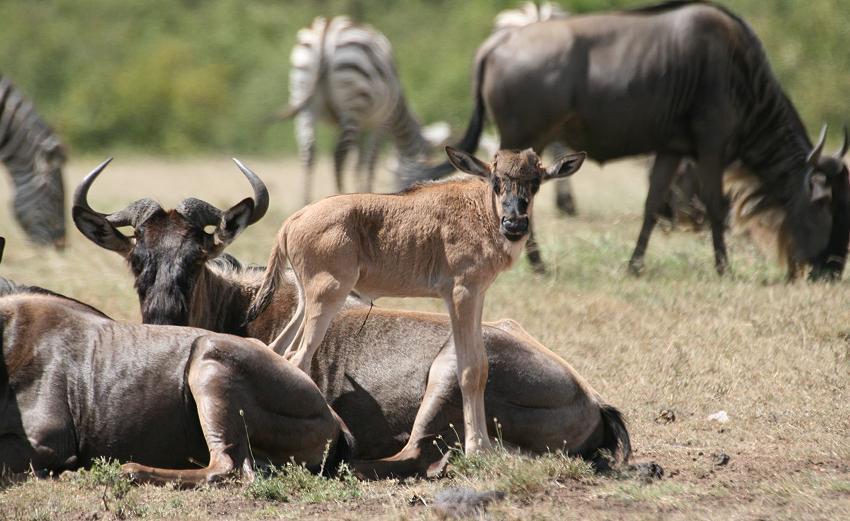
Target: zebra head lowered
x,y
168,249
35,158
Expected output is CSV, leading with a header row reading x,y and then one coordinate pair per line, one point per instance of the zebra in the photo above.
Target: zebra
x,y
345,73
34,157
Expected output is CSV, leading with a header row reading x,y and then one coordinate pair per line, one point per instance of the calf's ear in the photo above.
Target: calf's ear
x,y
466,162
565,166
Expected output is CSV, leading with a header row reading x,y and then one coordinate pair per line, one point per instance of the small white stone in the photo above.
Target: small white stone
x,y
719,416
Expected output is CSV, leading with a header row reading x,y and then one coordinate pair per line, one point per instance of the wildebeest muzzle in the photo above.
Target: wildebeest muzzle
x,y
514,228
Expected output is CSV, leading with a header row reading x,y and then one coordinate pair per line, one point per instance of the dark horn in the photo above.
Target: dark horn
x,y
814,155
2,247
81,194
844,146
261,193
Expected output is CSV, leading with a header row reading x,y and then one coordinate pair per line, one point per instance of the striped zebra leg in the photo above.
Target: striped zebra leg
x,y
305,134
347,139
367,157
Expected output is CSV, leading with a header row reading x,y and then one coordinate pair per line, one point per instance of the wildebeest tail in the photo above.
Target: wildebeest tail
x,y
615,435
341,452
275,271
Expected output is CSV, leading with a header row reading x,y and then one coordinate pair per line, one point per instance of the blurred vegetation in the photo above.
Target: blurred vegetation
x,y
188,76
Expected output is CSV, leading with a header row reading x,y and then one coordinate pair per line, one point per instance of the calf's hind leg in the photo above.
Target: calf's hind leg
x,y
250,402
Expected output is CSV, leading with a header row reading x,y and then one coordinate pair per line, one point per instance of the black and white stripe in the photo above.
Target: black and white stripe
x,y
34,157
528,13
345,73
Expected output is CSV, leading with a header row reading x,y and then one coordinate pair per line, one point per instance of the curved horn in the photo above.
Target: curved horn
x,y
134,214
814,155
81,194
845,145
261,193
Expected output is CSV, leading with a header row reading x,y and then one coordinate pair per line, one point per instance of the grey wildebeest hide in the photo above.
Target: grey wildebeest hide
x,y
76,385
375,366
681,79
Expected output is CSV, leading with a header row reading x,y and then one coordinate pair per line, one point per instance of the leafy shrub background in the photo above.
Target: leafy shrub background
x,y
189,76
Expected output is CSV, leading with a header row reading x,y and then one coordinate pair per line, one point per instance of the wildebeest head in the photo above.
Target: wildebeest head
x,y
40,196
825,180
515,176
168,249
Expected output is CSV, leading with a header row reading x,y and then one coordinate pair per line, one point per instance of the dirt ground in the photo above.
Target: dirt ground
x,y
669,349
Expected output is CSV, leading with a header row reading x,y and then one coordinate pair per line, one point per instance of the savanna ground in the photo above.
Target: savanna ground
x,y
774,356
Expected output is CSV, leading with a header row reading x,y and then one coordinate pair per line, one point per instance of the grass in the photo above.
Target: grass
x,y
294,483
775,356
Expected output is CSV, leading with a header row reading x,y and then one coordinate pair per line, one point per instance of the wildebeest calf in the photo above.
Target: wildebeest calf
x,y
448,240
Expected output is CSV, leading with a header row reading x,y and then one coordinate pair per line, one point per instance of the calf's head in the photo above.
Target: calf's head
x,y
515,177
167,249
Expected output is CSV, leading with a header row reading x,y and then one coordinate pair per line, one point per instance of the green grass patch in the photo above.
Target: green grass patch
x,y
293,483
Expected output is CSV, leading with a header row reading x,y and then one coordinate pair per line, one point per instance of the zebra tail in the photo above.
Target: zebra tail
x,y
292,110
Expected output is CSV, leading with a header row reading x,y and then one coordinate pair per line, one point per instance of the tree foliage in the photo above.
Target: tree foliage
x,y
191,76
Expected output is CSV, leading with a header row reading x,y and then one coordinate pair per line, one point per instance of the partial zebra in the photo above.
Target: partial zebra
x,y
34,157
345,73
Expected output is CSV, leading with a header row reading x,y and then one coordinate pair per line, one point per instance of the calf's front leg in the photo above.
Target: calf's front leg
x,y
465,307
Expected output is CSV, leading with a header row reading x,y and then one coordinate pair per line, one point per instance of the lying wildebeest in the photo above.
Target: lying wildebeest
x,y
76,385
681,79
375,366
446,240
35,157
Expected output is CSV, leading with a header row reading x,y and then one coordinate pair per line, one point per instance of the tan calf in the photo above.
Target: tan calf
x,y
448,240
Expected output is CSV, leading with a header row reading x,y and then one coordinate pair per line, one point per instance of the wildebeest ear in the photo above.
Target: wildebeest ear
x,y
565,166
2,246
234,221
100,231
466,162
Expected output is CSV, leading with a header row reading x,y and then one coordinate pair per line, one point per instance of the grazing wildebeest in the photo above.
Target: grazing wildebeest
x,y
76,385
375,366
444,240
345,73
34,157
681,79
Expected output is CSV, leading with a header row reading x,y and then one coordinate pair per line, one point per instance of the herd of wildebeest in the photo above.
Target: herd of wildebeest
x,y
235,365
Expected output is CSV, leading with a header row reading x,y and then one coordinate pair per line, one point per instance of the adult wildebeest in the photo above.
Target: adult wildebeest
x,y
529,13
34,157
681,79
446,240
76,385
375,365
